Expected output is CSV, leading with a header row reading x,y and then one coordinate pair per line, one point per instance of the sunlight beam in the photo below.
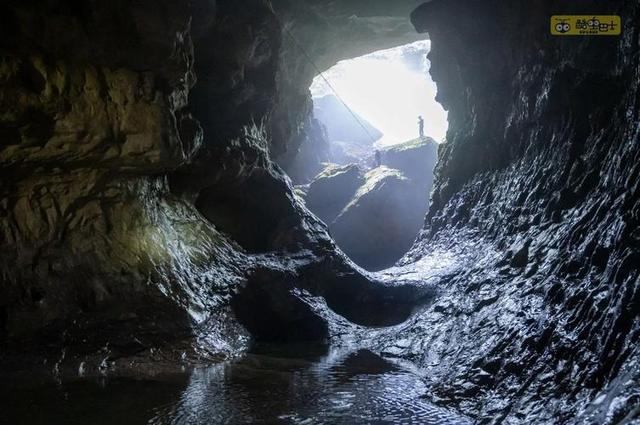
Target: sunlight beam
x,y
383,88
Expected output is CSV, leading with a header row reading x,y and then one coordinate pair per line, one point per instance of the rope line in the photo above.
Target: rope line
x,y
320,73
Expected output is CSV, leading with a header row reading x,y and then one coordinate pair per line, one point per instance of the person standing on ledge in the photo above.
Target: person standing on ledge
x,y
421,126
378,160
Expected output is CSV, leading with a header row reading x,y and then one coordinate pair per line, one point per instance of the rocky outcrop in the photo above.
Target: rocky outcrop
x,y
416,158
535,211
350,137
380,222
332,190
375,216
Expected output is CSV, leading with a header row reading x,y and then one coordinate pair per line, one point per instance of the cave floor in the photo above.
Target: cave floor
x,y
300,384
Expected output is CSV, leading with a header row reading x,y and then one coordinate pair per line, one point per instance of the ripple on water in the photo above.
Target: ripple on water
x,y
355,388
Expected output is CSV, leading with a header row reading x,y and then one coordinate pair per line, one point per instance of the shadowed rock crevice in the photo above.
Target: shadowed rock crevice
x,y
255,212
273,313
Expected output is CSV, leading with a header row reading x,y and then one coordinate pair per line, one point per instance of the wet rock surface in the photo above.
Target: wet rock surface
x,y
331,190
536,198
379,223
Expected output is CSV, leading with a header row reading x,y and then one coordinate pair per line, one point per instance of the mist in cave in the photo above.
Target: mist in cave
x,y
373,190
380,87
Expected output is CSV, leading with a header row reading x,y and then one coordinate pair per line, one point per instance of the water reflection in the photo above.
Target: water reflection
x,y
339,388
269,386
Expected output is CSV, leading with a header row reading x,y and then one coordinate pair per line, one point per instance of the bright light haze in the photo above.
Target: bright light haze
x,y
385,89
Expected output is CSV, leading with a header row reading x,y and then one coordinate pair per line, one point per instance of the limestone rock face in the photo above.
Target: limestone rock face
x,y
315,150
416,158
341,125
89,124
347,142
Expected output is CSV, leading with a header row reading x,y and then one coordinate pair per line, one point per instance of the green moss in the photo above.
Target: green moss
x,y
373,179
300,191
333,170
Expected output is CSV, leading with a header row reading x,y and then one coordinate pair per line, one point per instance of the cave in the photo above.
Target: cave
x,y
161,262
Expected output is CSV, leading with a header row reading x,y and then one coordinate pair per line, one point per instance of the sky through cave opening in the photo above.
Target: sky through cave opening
x,y
374,192
388,89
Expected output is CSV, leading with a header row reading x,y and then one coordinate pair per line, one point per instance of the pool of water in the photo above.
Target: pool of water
x,y
266,387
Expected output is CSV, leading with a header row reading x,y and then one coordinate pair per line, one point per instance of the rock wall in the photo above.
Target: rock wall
x,y
536,212
95,116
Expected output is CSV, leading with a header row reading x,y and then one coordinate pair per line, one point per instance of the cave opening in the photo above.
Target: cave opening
x,y
373,189
380,88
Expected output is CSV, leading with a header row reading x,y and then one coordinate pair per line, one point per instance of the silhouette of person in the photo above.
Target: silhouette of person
x,y
421,126
378,161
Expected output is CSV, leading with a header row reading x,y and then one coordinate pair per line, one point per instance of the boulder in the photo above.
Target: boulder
x,y
416,158
382,219
375,216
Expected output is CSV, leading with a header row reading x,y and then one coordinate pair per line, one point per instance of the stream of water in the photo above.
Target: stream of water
x,y
264,387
